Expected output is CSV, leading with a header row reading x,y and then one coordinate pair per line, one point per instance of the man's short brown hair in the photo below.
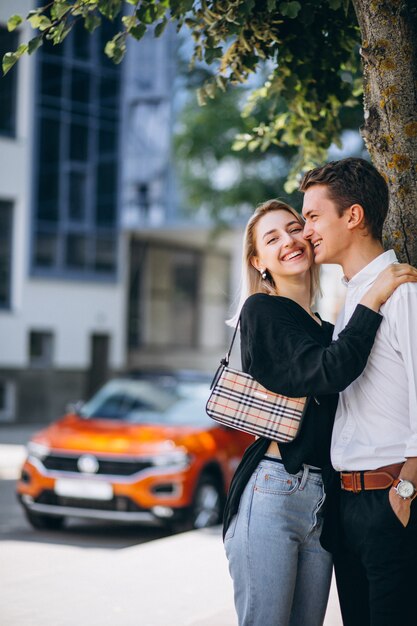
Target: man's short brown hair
x,y
353,181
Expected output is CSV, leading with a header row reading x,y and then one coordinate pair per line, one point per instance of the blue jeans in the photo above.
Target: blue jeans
x,y
281,574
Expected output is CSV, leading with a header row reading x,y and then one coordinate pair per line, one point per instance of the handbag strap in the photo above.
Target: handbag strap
x,y
225,360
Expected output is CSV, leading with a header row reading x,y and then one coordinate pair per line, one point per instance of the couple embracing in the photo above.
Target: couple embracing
x,y
343,491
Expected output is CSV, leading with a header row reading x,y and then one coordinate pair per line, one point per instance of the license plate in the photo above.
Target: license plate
x,y
88,489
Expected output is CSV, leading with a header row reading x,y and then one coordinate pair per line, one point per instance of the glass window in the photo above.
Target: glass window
x,y
6,216
48,196
41,348
76,157
106,193
50,141
81,42
7,400
77,196
76,256
105,260
109,91
108,139
51,79
79,141
184,280
8,43
80,87
46,249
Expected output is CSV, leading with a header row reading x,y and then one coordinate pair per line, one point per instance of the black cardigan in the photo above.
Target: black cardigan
x,y
288,352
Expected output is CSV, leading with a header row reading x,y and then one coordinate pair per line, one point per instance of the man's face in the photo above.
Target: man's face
x,y
324,228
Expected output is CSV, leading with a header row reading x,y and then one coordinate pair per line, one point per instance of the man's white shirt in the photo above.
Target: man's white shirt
x,y
376,418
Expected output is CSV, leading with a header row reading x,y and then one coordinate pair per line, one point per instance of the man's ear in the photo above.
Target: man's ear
x,y
355,216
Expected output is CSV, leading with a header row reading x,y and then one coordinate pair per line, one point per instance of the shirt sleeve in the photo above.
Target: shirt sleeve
x,y
406,317
286,359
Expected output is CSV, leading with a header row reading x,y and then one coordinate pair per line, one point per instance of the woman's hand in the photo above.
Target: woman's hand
x,y
387,282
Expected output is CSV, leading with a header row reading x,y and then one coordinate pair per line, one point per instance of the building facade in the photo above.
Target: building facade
x,y
62,306
99,269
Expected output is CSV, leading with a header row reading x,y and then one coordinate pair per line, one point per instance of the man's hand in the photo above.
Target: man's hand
x,y
401,508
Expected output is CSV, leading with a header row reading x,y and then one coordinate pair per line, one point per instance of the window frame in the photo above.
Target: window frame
x,y
8,412
46,360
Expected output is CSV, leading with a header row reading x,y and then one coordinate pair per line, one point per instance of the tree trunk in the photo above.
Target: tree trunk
x,y
389,53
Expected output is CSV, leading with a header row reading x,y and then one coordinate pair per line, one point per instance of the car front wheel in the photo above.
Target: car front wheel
x,y
44,522
208,503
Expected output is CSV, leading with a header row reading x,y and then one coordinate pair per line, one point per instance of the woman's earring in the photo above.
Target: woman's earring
x,y
264,274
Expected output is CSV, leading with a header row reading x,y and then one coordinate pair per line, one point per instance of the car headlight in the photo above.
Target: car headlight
x,y
37,450
177,459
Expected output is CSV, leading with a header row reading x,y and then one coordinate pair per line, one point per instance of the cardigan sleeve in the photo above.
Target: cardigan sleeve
x,y
280,353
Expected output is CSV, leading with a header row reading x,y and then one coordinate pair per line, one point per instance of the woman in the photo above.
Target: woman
x,y
274,511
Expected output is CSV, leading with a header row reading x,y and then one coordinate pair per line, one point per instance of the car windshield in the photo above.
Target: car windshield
x,y
143,402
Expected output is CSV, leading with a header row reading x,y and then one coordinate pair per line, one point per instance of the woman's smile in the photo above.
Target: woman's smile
x,y
294,255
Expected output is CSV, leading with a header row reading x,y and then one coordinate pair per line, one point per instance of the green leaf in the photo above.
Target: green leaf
x,y
14,22
159,28
221,82
335,4
138,31
290,9
34,44
116,48
110,8
9,59
129,21
202,96
40,22
58,33
59,9
91,22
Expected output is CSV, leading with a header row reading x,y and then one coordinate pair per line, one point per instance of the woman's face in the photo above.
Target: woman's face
x,y
281,247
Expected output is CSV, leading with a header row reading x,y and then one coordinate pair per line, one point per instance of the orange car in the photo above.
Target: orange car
x,y
136,451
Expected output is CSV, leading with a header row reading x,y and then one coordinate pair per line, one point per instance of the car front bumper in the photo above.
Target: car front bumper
x,y
143,517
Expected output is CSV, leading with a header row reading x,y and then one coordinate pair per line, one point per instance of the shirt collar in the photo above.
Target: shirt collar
x,y
371,271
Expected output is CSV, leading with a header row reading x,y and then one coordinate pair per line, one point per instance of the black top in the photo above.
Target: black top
x,y
288,352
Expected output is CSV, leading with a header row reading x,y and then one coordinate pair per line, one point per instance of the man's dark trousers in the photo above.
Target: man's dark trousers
x,y
376,567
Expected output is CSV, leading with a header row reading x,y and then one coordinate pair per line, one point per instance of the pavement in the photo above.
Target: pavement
x,y
181,580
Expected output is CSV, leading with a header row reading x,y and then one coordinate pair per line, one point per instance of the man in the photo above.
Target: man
x,y
374,443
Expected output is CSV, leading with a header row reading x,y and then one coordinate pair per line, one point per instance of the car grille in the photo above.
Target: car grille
x,y
118,503
115,467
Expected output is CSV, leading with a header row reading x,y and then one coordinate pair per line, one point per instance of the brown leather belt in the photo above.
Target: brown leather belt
x,y
381,478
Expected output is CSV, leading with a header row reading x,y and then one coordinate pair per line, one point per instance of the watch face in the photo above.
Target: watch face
x,y
405,489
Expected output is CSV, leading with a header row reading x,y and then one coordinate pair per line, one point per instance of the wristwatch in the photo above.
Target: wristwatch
x,y
404,488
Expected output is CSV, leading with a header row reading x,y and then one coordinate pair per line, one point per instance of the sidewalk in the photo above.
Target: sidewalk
x,y
181,580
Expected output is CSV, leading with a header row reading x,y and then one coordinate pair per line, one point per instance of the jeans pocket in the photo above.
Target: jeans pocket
x,y
276,482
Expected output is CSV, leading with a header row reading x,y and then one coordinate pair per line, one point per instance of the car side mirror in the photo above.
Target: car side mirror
x,y
74,407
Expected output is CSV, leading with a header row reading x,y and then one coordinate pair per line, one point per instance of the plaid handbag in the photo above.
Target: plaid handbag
x,y
237,400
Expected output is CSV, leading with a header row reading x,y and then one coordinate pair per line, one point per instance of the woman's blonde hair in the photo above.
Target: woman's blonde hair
x,y
252,281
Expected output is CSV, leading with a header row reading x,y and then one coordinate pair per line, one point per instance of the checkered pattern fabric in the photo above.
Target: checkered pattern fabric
x,y
239,401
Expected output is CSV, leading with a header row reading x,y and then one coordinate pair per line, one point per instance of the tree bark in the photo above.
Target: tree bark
x,y
389,53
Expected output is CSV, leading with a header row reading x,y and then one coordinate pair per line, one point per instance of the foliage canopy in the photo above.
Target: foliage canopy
x,y
309,48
